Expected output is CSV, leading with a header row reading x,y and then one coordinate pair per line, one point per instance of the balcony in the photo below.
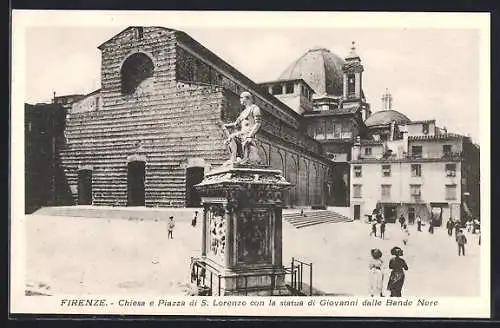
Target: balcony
x,y
436,155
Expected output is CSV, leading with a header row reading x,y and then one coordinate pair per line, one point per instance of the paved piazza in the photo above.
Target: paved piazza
x,y
130,257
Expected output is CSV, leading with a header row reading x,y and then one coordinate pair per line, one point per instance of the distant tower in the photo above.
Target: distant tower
x,y
352,70
387,100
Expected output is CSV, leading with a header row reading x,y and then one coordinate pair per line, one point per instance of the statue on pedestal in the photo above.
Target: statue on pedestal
x,y
242,145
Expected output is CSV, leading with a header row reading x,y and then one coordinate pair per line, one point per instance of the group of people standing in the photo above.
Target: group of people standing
x,y
460,236
397,265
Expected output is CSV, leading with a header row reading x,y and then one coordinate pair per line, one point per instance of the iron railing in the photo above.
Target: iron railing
x,y
294,278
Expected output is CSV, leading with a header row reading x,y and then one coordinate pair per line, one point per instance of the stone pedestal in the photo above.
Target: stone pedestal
x,y
242,231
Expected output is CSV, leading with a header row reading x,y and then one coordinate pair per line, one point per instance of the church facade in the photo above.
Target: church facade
x,y
152,130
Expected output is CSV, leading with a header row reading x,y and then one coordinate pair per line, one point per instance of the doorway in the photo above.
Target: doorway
x,y
85,187
357,212
135,183
390,213
194,175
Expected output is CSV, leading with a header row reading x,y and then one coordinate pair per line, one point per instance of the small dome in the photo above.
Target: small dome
x,y
321,69
386,116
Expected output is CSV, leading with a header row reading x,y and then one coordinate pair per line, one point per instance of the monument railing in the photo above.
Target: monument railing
x,y
295,274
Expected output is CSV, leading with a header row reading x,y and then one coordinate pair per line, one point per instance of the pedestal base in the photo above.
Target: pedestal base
x,y
261,281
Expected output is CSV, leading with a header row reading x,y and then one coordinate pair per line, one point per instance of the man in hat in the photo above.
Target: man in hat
x,y
461,241
171,226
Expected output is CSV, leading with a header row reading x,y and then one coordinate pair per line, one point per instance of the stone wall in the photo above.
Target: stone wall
x,y
105,139
172,116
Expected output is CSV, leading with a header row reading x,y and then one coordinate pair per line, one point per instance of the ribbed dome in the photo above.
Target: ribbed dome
x,y
386,116
321,69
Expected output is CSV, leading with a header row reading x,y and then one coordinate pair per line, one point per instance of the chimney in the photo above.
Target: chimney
x,y
393,130
356,149
405,142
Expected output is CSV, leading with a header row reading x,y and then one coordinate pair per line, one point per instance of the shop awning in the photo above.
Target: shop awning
x,y
439,204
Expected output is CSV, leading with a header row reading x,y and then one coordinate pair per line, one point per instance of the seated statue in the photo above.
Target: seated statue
x,y
241,143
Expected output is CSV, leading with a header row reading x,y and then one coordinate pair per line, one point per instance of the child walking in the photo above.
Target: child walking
x,y
171,226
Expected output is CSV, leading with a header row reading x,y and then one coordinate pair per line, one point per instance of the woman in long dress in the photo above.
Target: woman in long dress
x,y
376,273
397,277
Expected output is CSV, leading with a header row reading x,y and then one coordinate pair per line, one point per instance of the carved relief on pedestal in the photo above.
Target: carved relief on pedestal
x,y
216,232
253,237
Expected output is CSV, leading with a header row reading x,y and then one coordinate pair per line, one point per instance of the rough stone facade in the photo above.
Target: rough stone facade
x,y
162,102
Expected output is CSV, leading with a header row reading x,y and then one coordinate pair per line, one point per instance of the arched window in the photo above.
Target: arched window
x,y
135,69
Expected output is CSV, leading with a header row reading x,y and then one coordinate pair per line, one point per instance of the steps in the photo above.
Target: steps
x,y
312,218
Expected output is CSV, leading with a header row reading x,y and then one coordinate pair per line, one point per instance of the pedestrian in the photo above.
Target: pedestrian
x,y
382,229
431,226
398,266
402,220
476,226
457,227
469,225
419,223
195,218
171,226
376,273
374,229
449,226
461,241
406,234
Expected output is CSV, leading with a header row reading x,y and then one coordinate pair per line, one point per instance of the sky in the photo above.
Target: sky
x,y
431,73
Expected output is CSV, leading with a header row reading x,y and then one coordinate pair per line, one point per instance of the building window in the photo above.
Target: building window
x,y
357,171
386,191
329,130
97,103
416,151
386,170
289,88
451,192
310,131
356,191
451,170
446,150
368,151
346,131
425,128
140,32
415,192
416,170
337,130
320,131
277,89
351,82
135,69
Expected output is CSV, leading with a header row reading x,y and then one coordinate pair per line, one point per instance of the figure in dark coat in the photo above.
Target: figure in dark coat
x,y
397,277
449,226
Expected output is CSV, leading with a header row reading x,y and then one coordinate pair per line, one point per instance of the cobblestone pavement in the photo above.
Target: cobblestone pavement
x,y
124,257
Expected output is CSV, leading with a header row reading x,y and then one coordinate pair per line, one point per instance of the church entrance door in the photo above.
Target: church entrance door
x,y
194,175
85,187
135,183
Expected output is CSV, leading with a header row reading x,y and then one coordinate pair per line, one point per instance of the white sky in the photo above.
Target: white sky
x,y
431,73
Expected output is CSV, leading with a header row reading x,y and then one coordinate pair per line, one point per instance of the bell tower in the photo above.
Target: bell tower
x,y
353,70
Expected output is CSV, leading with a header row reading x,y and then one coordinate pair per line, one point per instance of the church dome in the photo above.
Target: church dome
x,y
386,116
321,69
